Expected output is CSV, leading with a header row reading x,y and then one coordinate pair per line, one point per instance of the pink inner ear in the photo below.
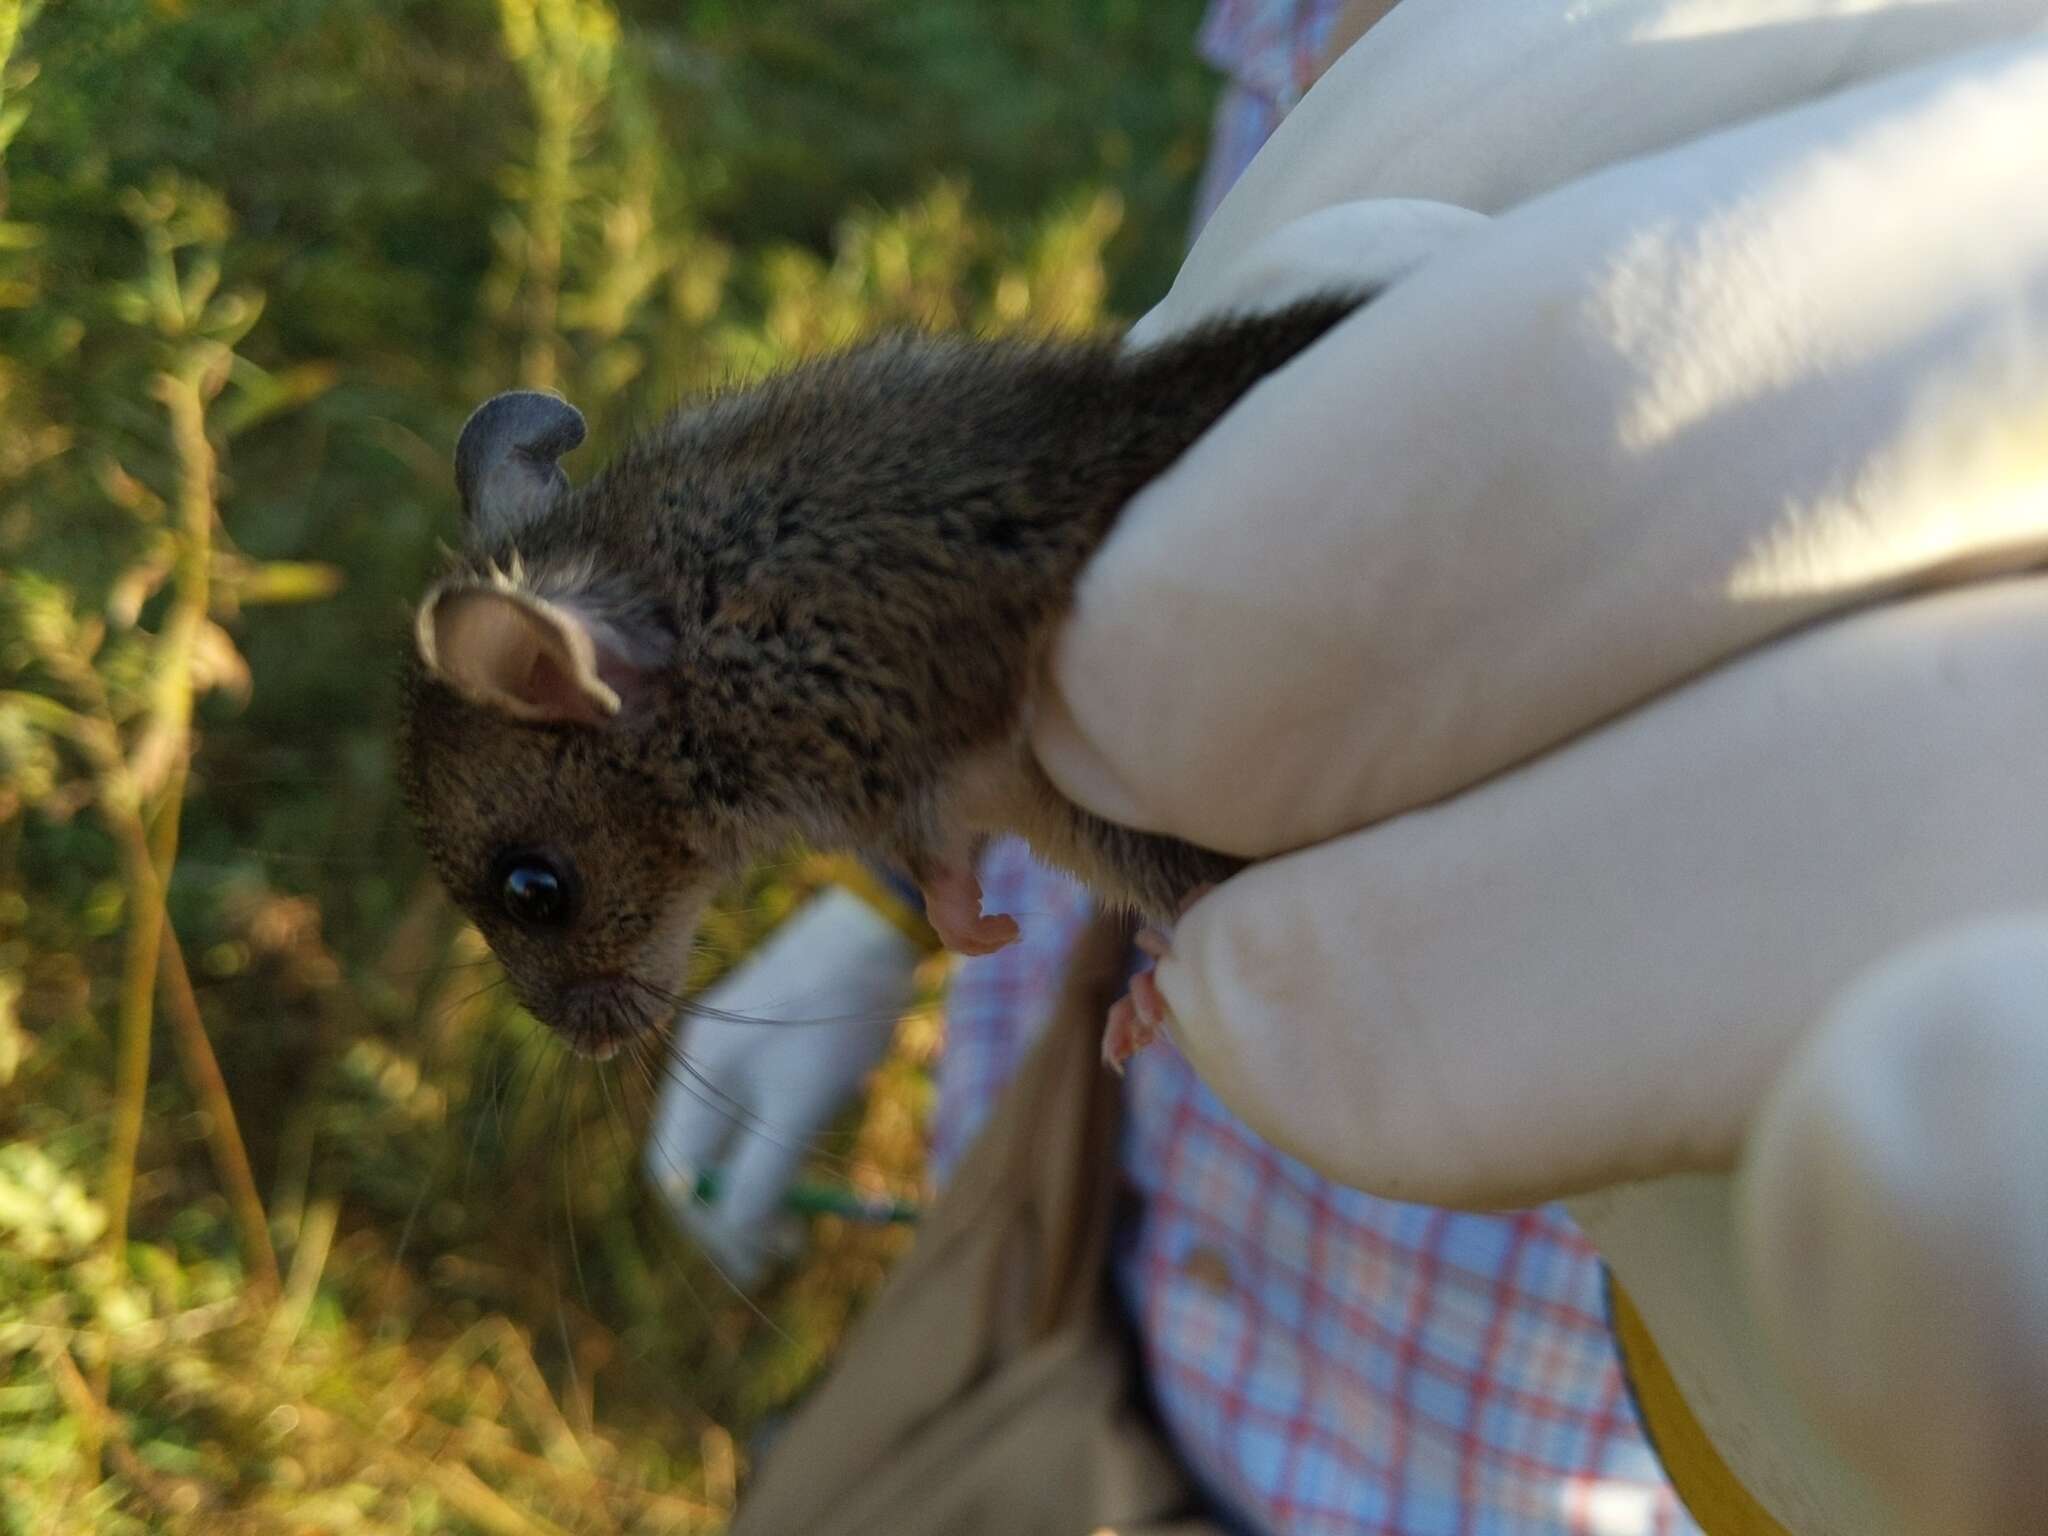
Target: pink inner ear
x,y
552,689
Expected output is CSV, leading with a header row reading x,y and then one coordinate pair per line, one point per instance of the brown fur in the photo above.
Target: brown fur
x,y
834,586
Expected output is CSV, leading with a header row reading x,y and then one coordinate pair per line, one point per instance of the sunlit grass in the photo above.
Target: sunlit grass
x,y
256,263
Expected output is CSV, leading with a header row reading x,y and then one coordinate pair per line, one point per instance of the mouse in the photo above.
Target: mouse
x,y
808,609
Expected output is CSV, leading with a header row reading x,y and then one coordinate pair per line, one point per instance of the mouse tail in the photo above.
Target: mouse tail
x,y
1174,391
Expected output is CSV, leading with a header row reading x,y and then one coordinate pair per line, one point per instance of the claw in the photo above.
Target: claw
x,y
1150,1003
1142,1015
1135,1020
1121,1038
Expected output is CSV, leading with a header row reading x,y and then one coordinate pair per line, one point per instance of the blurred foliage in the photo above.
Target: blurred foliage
x,y
302,1227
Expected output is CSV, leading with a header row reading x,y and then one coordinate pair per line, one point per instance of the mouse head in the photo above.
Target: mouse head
x,y
533,746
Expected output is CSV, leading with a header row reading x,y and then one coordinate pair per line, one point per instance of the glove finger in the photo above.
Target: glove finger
x,y
1487,103
1616,438
1348,247
1894,1231
1589,970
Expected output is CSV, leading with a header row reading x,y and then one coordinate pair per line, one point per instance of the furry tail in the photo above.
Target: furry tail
x,y
1173,392
1160,401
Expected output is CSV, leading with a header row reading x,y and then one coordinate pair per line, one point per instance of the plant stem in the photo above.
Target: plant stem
x,y
553,152
223,1131
138,991
184,394
149,851
164,961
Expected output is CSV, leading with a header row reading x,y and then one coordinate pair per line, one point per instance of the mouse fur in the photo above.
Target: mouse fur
x,y
810,609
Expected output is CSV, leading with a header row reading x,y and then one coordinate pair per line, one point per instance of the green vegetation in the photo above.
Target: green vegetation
x,y
302,1227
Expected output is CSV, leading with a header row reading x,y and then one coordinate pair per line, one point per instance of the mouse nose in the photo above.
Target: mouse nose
x,y
599,1014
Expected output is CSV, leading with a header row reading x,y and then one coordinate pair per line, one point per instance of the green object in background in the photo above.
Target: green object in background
x,y
362,216
823,1200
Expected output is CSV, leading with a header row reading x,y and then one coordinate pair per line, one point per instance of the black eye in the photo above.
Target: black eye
x,y
534,889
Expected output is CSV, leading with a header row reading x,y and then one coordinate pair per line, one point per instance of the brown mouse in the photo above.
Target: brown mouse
x,y
807,609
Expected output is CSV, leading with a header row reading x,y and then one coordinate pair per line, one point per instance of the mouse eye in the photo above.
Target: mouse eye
x,y
534,890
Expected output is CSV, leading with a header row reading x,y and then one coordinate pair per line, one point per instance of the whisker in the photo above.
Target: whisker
x,y
712,1096
639,1048
436,968
569,1199
614,1119
693,1080
310,860
492,1111
479,992
696,1009
568,1344
419,1199
538,1049
684,1176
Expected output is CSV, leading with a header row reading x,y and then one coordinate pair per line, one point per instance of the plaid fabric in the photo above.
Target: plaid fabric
x,y
1267,50
1328,1363
997,1005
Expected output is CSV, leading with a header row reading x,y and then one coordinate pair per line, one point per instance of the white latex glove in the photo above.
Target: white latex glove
x,y
1486,103
1630,430
1895,1233
746,1099
1858,1319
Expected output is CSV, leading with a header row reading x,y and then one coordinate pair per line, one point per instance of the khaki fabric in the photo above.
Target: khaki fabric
x,y
992,1391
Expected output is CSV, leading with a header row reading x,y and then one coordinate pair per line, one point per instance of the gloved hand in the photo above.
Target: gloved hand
x,y
1593,572
773,1052
1427,580
1892,1231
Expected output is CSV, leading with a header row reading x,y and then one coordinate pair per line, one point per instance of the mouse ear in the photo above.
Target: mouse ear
x,y
519,654
505,465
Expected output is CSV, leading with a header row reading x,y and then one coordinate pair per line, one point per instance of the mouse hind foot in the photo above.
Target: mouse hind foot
x,y
1142,1014
1158,877
1149,874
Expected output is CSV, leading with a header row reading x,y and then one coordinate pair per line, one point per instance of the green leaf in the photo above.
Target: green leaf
x,y
13,1039
287,581
261,395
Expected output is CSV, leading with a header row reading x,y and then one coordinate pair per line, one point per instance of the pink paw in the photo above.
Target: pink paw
x,y
952,905
1136,1019
1142,1015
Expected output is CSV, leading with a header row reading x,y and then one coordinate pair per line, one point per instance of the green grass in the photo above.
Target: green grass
x,y
293,242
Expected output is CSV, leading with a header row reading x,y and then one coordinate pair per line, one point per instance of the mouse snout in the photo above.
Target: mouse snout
x,y
597,1015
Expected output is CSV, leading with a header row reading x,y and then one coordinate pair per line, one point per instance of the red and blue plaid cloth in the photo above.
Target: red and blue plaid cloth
x,y
1327,1363
1268,51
